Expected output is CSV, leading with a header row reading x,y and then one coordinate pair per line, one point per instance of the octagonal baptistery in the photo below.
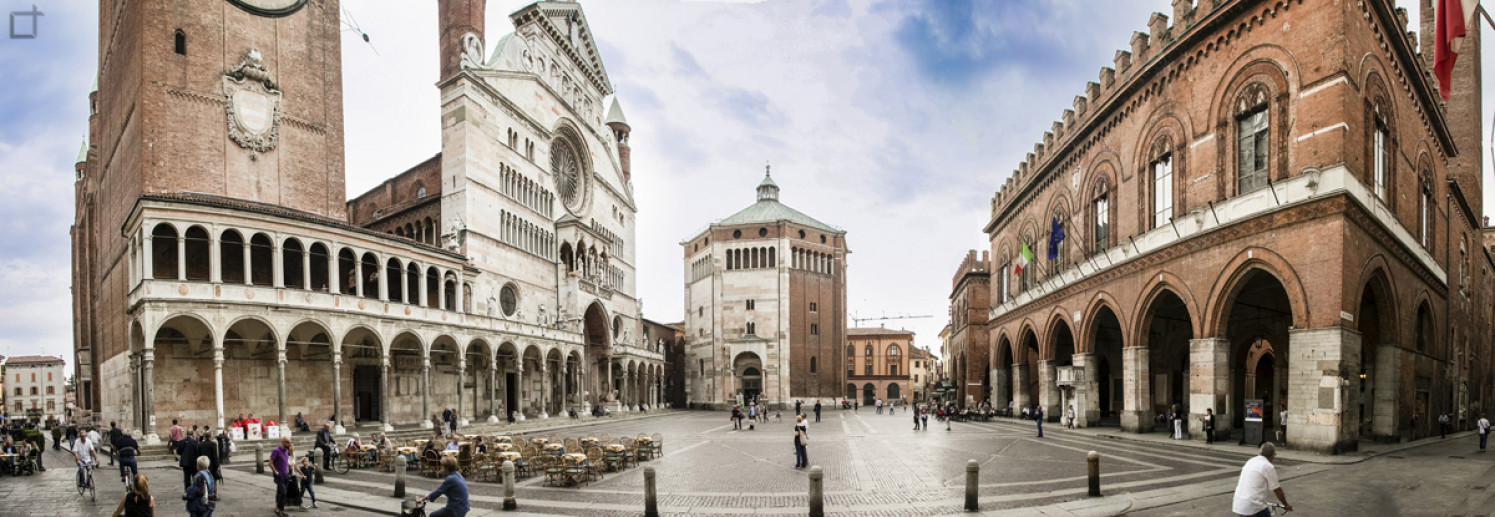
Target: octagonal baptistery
x,y
220,273
765,308
1263,207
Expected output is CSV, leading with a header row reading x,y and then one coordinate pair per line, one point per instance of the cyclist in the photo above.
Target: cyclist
x,y
1258,478
127,448
83,452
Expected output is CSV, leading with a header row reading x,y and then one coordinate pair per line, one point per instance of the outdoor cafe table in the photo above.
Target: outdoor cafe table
x,y
614,447
539,441
588,441
555,448
504,446
575,458
419,443
509,455
503,439
645,439
450,453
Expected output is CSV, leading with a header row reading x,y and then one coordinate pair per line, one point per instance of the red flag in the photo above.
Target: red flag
x,y
1450,23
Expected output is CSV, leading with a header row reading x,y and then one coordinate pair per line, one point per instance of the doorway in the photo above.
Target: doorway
x,y
366,394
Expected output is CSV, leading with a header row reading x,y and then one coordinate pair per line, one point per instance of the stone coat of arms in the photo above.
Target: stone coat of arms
x,y
253,104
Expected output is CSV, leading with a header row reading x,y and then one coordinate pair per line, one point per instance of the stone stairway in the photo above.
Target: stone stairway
x,y
304,441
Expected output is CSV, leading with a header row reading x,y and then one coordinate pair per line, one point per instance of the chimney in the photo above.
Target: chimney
x,y
458,18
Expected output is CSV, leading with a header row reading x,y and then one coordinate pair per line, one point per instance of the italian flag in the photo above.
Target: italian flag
x,y
1023,259
1452,18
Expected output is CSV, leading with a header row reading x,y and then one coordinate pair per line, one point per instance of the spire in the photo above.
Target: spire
x,y
83,151
615,113
768,190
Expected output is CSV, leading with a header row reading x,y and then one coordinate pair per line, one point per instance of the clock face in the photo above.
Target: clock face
x,y
272,8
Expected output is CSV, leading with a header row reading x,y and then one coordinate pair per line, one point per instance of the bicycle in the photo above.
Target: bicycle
x,y
1277,508
87,484
412,508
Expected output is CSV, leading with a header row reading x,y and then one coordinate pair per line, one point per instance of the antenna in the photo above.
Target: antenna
x,y
350,24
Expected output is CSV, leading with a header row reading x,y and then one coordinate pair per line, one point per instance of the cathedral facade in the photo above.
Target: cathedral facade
x,y
765,307
220,269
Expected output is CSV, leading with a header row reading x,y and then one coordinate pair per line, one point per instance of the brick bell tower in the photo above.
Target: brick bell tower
x,y
457,19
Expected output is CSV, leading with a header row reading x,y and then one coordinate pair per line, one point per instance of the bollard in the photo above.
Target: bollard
x,y
259,459
400,464
316,462
1093,458
509,502
651,503
973,475
817,492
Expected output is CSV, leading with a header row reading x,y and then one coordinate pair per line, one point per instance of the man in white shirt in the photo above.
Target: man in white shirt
x,y
1484,431
83,452
1258,479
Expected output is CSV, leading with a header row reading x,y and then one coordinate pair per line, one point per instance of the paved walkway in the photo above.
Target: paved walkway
x,y
874,465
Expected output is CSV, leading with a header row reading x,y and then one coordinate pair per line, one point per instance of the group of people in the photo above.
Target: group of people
x,y
295,481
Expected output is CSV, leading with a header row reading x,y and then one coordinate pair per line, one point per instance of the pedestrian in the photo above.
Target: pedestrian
x,y
280,467
1282,424
301,424
736,422
447,420
916,419
797,405
801,439
325,442
1209,425
753,413
1038,417
225,445
1443,425
209,449
174,436
1258,479
56,437
1069,417
879,407
84,454
138,501
307,473
803,424
1176,419
454,487
204,487
924,417
817,410
1484,431
189,451
856,406
113,436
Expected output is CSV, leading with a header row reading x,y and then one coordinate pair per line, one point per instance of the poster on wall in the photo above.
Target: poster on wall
x,y
1254,410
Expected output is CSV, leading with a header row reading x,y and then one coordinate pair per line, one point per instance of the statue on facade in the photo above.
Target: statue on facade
x,y
492,304
542,318
472,52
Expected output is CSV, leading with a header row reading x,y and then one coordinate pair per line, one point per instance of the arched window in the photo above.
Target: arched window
x,y
752,330
1425,210
231,257
869,350
163,252
1100,214
180,43
1252,124
1162,184
291,258
1424,328
893,350
1381,157
812,364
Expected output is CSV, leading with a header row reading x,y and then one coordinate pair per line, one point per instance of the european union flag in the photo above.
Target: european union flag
x,y
1056,236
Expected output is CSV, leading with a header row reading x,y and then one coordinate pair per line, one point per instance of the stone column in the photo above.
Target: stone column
x,y
425,392
148,261
1319,386
358,276
1087,390
1136,414
137,397
461,380
1001,379
1048,390
181,257
518,397
337,392
277,265
248,270
148,379
383,272
218,383
1019,388
564,380
334,283
1209,385
280,381
420,281
1386,413
457,294
609,389
306,268
493,391
544,389
215,259
384,394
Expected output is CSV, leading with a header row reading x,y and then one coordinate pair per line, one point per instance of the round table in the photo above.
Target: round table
x,y
450,453
588,441
575,458
552,447
503,439
539,441
645,439
407,450
614,447
419,443
504,446
509,455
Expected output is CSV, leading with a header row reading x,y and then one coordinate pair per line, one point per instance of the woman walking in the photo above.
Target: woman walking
x,y
137,502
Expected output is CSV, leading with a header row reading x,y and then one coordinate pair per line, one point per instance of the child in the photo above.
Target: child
x,y
778,416
307,471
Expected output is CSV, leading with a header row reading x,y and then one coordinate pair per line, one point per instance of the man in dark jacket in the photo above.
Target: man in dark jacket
x,y
324,442
112,437
128,449
189,450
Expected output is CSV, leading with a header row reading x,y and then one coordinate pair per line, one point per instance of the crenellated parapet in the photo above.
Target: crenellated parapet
x,y
972,263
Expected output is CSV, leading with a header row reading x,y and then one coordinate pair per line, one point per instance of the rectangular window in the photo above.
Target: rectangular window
x,y
33,390
892,369
1253,152
751,329
750,305
814,329
701,367
51,406
1424,200
868,369
1162,191
50,390
1382,161
1102,223
49,376
812,306
33,376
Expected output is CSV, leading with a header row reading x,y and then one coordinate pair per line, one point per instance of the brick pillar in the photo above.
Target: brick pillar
x,y
1386,379
1136,414
1019,388
1087,390
1319,387
1209,385
1048,390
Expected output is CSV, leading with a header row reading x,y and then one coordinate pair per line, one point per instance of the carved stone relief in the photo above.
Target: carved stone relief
x,y
253,106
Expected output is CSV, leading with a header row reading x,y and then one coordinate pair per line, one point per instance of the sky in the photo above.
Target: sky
x,y
895,120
